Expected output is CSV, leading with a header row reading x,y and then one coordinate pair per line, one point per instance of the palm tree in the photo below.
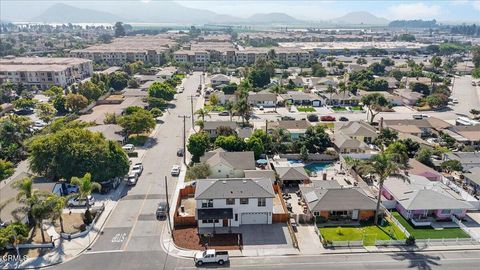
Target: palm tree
x,y
272,55
230,108
85,187
277,90
40,211
243,109
330,90
200,123
57,203
202,113
383,167
27,196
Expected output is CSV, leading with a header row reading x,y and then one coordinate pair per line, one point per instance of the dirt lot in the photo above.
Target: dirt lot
x,y
71,223
189,239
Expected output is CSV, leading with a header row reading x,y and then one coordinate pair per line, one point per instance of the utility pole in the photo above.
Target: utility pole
x,y
184,138
191,97
168,207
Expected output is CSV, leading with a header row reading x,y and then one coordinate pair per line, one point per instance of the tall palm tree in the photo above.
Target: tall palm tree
x,y
330,90
383,167
230,108
243,109
202,113
277,90
57,204
85,187
27,196
40,211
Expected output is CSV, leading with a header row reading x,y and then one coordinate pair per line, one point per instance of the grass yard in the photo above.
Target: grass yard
x,y
217,108
356,108
327,125
339,109
371,232
428,232
305,109
137,140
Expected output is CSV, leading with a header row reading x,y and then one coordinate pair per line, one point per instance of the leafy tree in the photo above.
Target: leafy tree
x,y
73,151
119,29
420,88
54,91
386,137
243,108
89,90
85,187
315,139
230,143
75,102
437,100
161,90
14,130
398,152
24,103
397,74
361,61
132,83
375,102
118,81
13,234
265,138
198,171
198,143
45,111
140,121
59,103
280,138
387,62
111,118
256,145
412,147
304,153
476,56
383,167
225,131
449,140
424,155
213,99
158,103
259,77
230,89
436,61
156,112
452,165
476,73
318,70
6,169
377,68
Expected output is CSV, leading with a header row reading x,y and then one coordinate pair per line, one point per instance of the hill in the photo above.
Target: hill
x,y
360,17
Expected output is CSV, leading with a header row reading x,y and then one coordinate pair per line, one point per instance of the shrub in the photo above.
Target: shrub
x,y
410,241
87,217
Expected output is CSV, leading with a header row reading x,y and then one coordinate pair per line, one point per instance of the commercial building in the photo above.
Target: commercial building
x,y
148,49
44,72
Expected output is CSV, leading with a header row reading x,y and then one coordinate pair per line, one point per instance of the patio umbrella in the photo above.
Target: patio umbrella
x,y
262,161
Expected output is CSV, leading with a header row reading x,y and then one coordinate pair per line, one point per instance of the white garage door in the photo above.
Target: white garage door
x,y
254,218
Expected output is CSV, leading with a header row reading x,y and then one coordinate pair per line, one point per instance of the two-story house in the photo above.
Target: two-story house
x,y
233,202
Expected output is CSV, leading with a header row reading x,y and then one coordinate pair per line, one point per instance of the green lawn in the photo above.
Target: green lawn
x,y
217,108
305,109
327,125
339,109
356,108
137,140
428,232
371,232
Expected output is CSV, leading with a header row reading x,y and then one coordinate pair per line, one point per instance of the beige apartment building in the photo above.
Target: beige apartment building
x,y
148,49
44,72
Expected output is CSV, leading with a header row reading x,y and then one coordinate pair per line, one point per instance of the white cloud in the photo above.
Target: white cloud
x,y
476,4
459,2
414,11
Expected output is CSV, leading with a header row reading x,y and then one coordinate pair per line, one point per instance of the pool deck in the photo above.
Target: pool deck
x,y
335,173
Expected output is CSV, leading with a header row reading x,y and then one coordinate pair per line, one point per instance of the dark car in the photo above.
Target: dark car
x,y
180,152
24,111
343,119
287,118
327,118
162,210
312,117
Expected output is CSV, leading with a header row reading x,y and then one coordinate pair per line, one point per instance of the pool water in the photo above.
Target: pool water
x,y
313,166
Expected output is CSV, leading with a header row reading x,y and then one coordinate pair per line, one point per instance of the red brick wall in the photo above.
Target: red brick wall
x,y
366,214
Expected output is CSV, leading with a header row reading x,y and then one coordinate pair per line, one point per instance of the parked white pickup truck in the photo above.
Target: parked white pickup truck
x,y
210,256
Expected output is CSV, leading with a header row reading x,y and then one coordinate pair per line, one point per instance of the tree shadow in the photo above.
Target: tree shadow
x,y
416,259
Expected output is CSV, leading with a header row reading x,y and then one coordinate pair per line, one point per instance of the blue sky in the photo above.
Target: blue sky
x,y
455,10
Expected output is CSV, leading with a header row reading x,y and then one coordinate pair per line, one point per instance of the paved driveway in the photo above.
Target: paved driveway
x,y
266,236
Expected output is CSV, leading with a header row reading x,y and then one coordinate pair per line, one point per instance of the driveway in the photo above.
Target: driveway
x,y
308,240
269,236
473,224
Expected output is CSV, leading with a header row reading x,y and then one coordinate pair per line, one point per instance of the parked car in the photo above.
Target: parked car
x,y
261,108
419,116
76,201
224,113
110,184
162,210
71,188
312,117
181,89
137,168
132,179
175,170
23,111
211,256
287,118
180,152
455,101
343,119
327,118
474,84
129,148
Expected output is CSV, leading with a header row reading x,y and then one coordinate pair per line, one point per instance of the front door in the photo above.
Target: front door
x,y
225,222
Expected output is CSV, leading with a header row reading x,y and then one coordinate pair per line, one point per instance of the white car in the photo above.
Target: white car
x,y
75,202
175,170
181,89
129,148
137,169
132,179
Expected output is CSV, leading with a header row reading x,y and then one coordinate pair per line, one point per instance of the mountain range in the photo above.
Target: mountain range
x,y
162,12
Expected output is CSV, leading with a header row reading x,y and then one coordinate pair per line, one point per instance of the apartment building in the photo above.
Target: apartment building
x,y
148,49
44,72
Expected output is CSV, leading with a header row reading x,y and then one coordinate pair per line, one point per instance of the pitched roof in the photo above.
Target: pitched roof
x,y
406,128
262,96
220,77
293,173
471,133
419,193
473,175
343,141
233,188
337,199
418,168
290,125
235,160
212,125
356,128
266,174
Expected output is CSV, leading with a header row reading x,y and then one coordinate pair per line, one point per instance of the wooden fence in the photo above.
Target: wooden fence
x,y
179,221
280,218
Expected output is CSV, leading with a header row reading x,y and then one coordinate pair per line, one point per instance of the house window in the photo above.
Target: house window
x,y
236,217
445,211
262,202
207,203
316,214
244,201
206,221
230,201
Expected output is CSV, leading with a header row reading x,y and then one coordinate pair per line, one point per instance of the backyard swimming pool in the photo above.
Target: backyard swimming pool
x,y
313,166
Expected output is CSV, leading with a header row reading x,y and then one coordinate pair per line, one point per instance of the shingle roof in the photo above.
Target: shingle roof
x,y
266,174
233,188
473,175
262,96
419,193
293,173
212,125
236,160
337,199
357,128
343,141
